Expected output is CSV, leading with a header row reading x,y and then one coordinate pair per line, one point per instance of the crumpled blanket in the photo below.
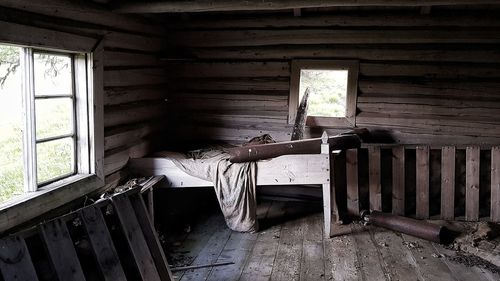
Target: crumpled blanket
x,y
234,183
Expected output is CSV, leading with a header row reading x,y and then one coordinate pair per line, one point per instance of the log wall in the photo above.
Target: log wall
x,y
133,78
424,79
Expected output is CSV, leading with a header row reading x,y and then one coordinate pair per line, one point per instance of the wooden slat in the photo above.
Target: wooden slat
x,y
145,220
422,185
135,238
15,260
472,183
352,182
495,184
61,250
448,183
375,187
398,180
102,244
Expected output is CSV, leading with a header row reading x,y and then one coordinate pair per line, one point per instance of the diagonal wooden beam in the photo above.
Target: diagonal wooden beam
x,y
193,6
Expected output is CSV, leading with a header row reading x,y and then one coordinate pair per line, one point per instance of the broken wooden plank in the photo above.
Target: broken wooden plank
x,y
15,260
448,183
102,244
422,185
61,250
145,220
135,237
398,180
472,183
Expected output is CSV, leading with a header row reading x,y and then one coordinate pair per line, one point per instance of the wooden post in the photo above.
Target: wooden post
x,y
472,183
352,182
328,190
448,183
422,186
495,184
398,180
375,186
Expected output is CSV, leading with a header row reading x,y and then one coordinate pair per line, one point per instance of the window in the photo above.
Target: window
x,y
332,92
45,119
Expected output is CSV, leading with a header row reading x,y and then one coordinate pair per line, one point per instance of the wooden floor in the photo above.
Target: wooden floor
x,y
290,246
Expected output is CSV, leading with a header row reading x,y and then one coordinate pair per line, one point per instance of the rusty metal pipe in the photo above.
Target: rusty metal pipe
x,y
417,228
307,146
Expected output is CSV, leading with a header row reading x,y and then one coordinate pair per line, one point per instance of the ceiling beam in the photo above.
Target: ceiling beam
x,y
193,6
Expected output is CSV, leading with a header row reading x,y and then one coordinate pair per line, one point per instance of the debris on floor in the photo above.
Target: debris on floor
x,y
476,243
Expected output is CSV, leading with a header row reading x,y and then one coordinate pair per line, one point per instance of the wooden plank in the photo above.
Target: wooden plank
x,y
228,69
428,70
376,53
61,250
495,184
448,183
429,267
352,182
360,19
287,169
102,244
228,5
145,220
236,38
395,259
472,183
15,260
210,253
134,77
135,238
16,34
398,180
113,115
459,271
375,187
237,250
289,253
312,265
370,263
340,260
422,184
262,257
96,14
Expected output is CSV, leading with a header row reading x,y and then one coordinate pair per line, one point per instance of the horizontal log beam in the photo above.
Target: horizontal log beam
x,y
249,5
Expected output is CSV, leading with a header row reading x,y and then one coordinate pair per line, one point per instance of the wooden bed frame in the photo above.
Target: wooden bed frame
x,y
304,169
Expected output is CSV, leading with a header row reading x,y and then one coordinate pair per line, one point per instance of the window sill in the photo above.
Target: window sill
x,y
34,204
318,121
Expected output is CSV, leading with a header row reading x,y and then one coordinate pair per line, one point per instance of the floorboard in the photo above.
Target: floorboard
x,y
290,246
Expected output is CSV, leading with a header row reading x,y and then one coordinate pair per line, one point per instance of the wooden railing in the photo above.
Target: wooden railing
x,y
444,182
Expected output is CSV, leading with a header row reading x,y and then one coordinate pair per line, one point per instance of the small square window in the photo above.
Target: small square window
x,y
332,92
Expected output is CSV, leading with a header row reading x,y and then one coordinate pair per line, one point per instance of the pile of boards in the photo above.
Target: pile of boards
x,y
112,239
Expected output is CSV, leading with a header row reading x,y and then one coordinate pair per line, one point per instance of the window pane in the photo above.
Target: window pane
x,y
55,159
52,74
11,124
54,117
329,94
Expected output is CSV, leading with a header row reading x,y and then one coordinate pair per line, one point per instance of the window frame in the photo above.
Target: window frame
x,y
352,66
90,175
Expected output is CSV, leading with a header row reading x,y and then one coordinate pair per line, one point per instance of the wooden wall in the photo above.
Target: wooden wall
x,y
424,78
133,78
